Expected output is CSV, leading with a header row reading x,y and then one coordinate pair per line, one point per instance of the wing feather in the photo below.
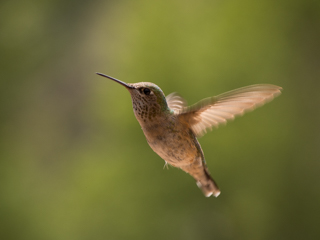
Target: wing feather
x,y
211,112
176,102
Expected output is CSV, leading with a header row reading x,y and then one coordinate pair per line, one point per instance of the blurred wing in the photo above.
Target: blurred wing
x,y
211,112
176,102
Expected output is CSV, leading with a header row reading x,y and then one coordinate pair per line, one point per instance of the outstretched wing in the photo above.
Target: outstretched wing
x,y
176,102
211,112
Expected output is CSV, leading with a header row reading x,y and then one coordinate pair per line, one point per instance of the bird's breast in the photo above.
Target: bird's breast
x,y
172,141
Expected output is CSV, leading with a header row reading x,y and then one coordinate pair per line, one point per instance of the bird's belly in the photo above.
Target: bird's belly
x,y
176,148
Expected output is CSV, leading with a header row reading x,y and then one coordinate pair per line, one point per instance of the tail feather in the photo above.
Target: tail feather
x,y
201,174
207,184
209,188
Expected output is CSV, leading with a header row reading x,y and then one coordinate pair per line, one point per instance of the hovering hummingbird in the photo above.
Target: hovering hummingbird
x,y
171,127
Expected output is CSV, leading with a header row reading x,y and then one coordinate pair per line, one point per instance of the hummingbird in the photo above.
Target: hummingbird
x,y
171,127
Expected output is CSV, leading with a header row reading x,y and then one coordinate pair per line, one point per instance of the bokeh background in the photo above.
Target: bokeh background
x,y
74,163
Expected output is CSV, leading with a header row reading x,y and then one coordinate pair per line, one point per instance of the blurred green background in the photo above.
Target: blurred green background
x,y
74,163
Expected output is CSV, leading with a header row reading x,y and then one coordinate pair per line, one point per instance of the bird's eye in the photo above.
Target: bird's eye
x,y
146,91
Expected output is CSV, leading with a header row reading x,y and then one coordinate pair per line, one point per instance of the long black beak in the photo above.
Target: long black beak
x,y
116,80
